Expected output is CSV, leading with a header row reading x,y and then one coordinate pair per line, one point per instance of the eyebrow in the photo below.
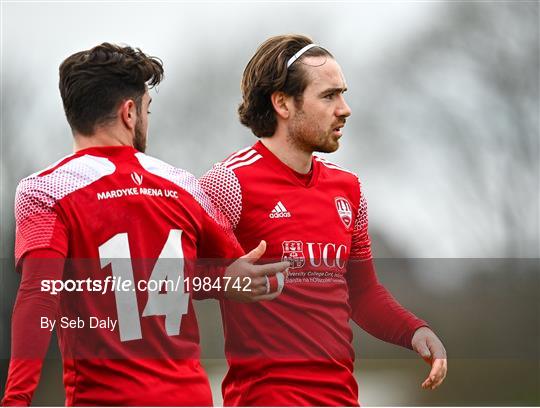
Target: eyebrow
x,y
333,90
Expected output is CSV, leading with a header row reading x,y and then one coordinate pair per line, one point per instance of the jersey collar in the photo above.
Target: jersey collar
x,y
285,170
107,151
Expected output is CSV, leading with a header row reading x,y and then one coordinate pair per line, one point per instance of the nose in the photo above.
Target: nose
x,y
343,109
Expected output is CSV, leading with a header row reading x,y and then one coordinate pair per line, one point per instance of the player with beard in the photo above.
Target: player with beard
x,y
108,215
297,349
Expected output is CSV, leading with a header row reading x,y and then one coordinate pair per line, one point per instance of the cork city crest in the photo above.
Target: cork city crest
x,y
293,253
344,211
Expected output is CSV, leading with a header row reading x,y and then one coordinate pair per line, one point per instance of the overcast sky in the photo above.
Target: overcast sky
x,y
216,39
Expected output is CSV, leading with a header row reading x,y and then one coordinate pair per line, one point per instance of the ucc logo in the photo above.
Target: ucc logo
x,y
344,211
320,254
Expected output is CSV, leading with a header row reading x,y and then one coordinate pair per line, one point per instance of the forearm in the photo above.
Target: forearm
x,y
29,342
376,310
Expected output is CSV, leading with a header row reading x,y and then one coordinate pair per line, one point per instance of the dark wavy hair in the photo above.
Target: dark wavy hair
x,y
94,82
267,73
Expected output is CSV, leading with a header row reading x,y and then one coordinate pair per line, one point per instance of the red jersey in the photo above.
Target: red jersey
x,y
296,349
118,215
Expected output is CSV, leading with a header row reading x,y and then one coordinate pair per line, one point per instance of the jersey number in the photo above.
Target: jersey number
x,y
172,304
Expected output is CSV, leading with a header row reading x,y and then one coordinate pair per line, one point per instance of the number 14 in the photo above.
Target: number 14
x,y
172,304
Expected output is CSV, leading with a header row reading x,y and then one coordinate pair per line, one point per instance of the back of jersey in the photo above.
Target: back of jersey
x,y
130,227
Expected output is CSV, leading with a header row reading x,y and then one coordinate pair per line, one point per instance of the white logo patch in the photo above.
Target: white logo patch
x,y
344,211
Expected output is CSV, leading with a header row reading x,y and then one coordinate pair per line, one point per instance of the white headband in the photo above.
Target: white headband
x,y
299,54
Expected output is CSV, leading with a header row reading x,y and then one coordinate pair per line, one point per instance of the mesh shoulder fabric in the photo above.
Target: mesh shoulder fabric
x,y
223,188
37,196
187,182
361,243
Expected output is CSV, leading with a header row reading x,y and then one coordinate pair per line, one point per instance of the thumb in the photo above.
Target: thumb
x,y
424,352
254,255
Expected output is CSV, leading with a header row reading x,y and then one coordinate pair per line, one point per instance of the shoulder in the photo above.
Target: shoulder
x,y
240,162
181,178
223,182
351,182
178,176
225,177
337,171
62,178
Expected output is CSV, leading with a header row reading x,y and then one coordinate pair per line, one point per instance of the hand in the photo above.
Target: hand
x,y
262,277
431,349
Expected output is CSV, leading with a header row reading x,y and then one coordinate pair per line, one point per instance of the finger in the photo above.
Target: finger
x,y
281,280
270,269
438,367
257,282
441,372
272,283
437,373
254,255
258,286
259,290
429,381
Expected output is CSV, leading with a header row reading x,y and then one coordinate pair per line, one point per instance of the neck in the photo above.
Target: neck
x,y
297,159
102,137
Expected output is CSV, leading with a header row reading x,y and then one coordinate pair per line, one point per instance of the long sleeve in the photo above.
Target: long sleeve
x,y
29,342
223,190
373,307
217,249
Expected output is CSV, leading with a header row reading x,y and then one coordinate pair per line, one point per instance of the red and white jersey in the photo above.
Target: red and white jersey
x,y
117,213
296,349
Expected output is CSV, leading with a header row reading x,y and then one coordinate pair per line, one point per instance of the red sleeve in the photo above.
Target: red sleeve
x,y
374,309
29,342
217,249
38,219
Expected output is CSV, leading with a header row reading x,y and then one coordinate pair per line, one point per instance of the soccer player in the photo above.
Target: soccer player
x,y
107,240
312,213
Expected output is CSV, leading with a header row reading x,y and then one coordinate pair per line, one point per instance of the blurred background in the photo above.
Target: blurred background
x,y
444,136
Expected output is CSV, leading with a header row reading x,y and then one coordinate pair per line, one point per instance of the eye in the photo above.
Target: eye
x,y
148,112
329,96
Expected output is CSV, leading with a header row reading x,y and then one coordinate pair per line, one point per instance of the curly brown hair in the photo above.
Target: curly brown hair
x,y
94,82
266,73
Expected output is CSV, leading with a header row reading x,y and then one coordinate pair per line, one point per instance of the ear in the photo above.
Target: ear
x,y
281,103
128,113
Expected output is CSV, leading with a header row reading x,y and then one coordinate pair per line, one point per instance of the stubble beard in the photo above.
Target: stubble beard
x,y
139,140
307,136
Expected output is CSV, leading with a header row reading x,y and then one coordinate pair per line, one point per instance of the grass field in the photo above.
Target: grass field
x,y
389,382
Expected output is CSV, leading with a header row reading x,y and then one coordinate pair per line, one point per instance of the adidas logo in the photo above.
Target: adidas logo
x,y
279,211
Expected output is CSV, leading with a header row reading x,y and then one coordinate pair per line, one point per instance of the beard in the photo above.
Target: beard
x,y
307,135
139,140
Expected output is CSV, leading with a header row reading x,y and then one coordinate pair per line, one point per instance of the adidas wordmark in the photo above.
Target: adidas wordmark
x,y
279,211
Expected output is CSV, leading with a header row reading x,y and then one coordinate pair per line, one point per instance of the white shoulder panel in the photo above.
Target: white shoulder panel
x,y
72,176
181,178
36,196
